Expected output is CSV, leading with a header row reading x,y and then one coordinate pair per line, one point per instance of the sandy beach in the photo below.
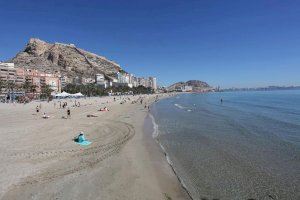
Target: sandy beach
x,y
40,160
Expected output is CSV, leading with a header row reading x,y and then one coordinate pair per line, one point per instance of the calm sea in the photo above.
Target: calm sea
x,y
247,147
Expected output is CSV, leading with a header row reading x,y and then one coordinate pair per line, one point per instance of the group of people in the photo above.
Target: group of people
x,y
63,105
77,103
104,109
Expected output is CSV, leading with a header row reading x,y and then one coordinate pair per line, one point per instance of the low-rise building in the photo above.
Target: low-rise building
x,y
52,82
40,79
87,81
187,88
104,80
99,78
64,80
77,80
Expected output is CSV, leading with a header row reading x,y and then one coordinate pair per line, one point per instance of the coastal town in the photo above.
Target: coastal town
x,y
43,70
20,81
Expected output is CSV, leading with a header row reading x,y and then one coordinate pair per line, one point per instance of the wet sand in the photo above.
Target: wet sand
x,y
39,159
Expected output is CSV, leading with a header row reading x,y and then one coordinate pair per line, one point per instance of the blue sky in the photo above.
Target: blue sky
x,y
228,43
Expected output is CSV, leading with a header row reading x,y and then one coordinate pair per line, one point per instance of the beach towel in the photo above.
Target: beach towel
x,y
82,141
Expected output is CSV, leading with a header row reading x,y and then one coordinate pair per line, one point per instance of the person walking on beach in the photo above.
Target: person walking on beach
x,y
69,113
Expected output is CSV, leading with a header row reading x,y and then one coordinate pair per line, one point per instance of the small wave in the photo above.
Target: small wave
x,y
178,106
183,185
155,135
155,127
181,107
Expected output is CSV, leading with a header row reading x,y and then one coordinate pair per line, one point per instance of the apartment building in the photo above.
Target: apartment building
x,y
7,72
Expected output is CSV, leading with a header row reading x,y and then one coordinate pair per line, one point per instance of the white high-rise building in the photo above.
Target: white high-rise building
x,y
152,83
123,77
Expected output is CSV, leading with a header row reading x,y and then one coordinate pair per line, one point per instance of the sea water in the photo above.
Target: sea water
x,y
245,147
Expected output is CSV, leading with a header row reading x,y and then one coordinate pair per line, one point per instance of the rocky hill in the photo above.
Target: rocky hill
x,y
66,58
196,84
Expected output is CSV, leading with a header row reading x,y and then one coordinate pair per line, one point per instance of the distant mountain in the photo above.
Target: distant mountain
x,y
269,88
196,84
66,58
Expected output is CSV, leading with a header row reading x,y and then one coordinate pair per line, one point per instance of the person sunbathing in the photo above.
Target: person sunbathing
x,y
89,115
45,116
80,139
104,109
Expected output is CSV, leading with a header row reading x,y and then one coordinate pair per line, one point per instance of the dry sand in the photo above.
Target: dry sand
x,y
39,159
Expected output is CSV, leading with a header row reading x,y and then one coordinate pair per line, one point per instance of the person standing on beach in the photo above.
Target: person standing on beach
x,y
37,109
69,113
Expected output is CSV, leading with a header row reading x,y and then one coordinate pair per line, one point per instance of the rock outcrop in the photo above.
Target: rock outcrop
x,y
196,84
66,58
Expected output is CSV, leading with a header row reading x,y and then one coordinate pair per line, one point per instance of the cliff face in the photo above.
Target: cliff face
x,y
68,59
196,84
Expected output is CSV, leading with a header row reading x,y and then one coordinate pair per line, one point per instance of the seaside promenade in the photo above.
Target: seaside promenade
x,y
40,160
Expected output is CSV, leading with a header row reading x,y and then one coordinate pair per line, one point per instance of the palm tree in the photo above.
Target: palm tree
x,y
11,86
33,88
27,85
2,85
46,92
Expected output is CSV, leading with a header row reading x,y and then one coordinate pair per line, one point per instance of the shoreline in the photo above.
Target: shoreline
x,y
155,134
219,152
123,162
